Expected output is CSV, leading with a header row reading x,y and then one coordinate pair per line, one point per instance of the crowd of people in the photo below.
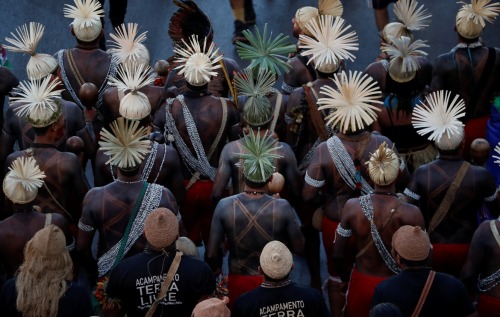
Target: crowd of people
x,y
395,169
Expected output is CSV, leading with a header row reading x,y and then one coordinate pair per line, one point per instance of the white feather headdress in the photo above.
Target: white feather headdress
x,y
23,180
439,117
411,18
305,15
471,18
87,19
40,101
131,76
329,43
403,53
383,166
352,101
127,46
197,63
26,41
126,144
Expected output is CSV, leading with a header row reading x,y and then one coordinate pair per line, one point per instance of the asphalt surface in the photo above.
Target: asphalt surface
x,y
153,16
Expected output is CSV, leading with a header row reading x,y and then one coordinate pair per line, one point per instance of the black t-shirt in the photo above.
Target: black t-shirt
x,y
74,303
447,295
137,280
290,300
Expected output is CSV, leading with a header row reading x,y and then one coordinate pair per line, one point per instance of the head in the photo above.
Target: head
x,y
471,18
187,21
383,166
276,261
21,183
480,151
411,246
161,228
86,15
410,18
303,16
403,52
187,247
41,279
127,46
212,307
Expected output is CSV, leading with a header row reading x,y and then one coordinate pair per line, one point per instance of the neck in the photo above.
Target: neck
x,y
17,208
129,176
255,191
450,156
87,45
276,283
387,190
44,139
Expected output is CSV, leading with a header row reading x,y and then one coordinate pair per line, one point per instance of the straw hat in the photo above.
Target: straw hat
x,y
439,118
23,180
328,45
383,166
26,41
161,228
411,243
87,16
471,18
49,241
212,307
276,260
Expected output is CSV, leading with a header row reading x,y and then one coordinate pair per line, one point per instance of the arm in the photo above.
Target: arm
x,y
223,174
86,231
86,132
7,81
293,119
175,179
102,171
78,185
340,246
213,255
314,177
476,258
293,231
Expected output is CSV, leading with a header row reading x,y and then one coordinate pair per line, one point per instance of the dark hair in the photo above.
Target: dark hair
x,y
255,184
42,130
385,310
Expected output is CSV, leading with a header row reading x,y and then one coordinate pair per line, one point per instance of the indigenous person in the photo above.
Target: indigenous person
x,y
8,81
162,164
187,21
403,81
450,213
337,166
471,70
20,186
118,210
133,75
251,219
277,294
212,307
266,63
372,219
244,17
65,184
301,71
42,286
418,290
160,278
198,124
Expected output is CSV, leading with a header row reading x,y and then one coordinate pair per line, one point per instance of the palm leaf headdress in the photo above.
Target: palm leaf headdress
x,y
87,16
127,46
383,166
352,102
471,18
23,180
413,17
403,53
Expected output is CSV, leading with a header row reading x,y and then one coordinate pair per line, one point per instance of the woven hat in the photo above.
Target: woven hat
x,y
197,63
258,156
438,118
126,45
187,21
126,144
403,53
40,101
49,241
328,45
266,51
212,307
471,18
411,18
161,228
23,180
87,16
132,77
383,166
305,15
352,101
276,260
411,243
26,41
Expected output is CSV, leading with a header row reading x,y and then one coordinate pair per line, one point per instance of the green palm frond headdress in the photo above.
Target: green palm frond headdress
x,y
259,153
254,82
266,52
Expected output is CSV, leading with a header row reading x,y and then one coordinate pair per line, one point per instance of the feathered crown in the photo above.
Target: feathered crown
x,y
87,19
40,101
328,44
126,144
258,156
25,41
439,118
411,18
403,53
352,101
127,46
189,20
266,52
197,63
131,76
383,166
471,18
305,15
23,180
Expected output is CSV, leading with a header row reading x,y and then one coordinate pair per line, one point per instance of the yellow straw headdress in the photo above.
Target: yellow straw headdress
x,y
403,53
127,46
87,16
471,18
383,166
23,180
411,18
